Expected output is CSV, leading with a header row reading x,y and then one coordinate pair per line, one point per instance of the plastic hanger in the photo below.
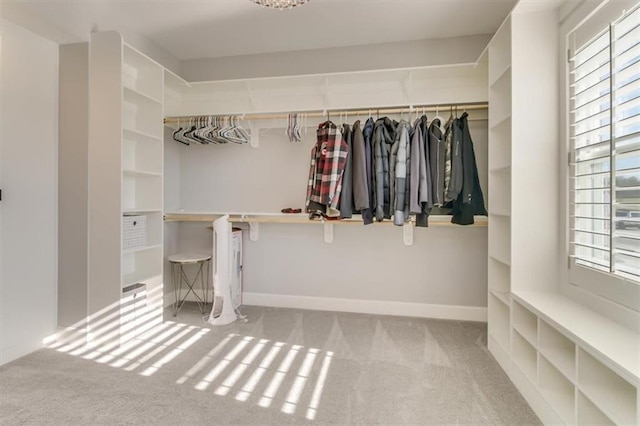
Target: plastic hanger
x,y
437,117
177,135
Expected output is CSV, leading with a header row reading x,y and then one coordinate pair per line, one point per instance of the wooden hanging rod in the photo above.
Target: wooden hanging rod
x,y
349,112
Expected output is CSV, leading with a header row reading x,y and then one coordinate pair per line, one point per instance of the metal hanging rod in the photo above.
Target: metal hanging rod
x,y
328,112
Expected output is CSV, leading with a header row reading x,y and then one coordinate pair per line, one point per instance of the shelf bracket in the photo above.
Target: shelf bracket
x,y
254,231
407,234
326,92
251,97
328,232
408,88
255,135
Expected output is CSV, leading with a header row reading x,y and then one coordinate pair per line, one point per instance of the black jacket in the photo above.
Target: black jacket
x,y
470,201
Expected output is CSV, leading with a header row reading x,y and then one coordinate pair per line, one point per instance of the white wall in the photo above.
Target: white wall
x,y
72,179
418,53
446,265
28,178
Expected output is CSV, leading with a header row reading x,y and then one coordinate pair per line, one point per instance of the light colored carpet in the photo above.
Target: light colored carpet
x,y
283,366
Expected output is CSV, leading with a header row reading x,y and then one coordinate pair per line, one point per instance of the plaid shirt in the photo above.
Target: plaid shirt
x,y
328,161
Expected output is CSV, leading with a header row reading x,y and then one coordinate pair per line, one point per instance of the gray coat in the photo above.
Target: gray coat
x,y
383,138
361,182
419,191
401,158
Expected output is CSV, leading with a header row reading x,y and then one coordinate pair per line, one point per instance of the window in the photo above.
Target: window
x,y
604,123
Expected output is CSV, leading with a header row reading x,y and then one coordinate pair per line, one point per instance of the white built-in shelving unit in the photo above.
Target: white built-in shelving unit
x,y
572,365
499,267
125,179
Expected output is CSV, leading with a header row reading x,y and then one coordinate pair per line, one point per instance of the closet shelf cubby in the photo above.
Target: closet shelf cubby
x,y
501,121
525,356
616,345
505,74
558,350
525,323
559,391
499,322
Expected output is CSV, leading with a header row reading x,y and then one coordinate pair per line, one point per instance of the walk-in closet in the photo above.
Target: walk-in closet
x,y
308,211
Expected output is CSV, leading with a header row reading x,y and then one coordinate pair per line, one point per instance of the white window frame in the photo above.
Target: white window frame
x,y
622,291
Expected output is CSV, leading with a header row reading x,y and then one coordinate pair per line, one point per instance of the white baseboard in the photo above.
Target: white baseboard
x,y
423,310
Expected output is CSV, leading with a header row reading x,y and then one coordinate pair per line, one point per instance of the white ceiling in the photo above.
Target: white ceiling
x,y
215,28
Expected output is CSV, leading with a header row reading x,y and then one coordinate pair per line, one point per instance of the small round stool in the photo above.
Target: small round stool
x,y
179,275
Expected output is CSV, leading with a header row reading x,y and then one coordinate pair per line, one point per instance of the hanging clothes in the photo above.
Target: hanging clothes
x,y
367,133
346,195
400,162
383,139
419,189
328,161
470,201
448,131
437,157
361,158
455,176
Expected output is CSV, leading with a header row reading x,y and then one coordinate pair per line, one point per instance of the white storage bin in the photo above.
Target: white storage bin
x,y
134,232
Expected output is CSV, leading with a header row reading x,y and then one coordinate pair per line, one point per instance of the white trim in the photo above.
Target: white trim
x,y
379,307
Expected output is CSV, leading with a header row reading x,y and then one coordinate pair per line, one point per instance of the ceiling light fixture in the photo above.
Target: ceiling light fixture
x,y
280,4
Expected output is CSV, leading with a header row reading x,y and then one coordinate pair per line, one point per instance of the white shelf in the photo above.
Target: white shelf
x,y
141,74
142,115
500,121
616,346
135,250
558,350
138,277
503,297
499,277
500,145
502,169
497,259
499,353
589,414
138,135
499,321
500,193
614,396
137,96
524,356
138,211
303,219
500,238
525,323
144,266
500,101
497,212
140,173
504,74
558,391
141,192
500,50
